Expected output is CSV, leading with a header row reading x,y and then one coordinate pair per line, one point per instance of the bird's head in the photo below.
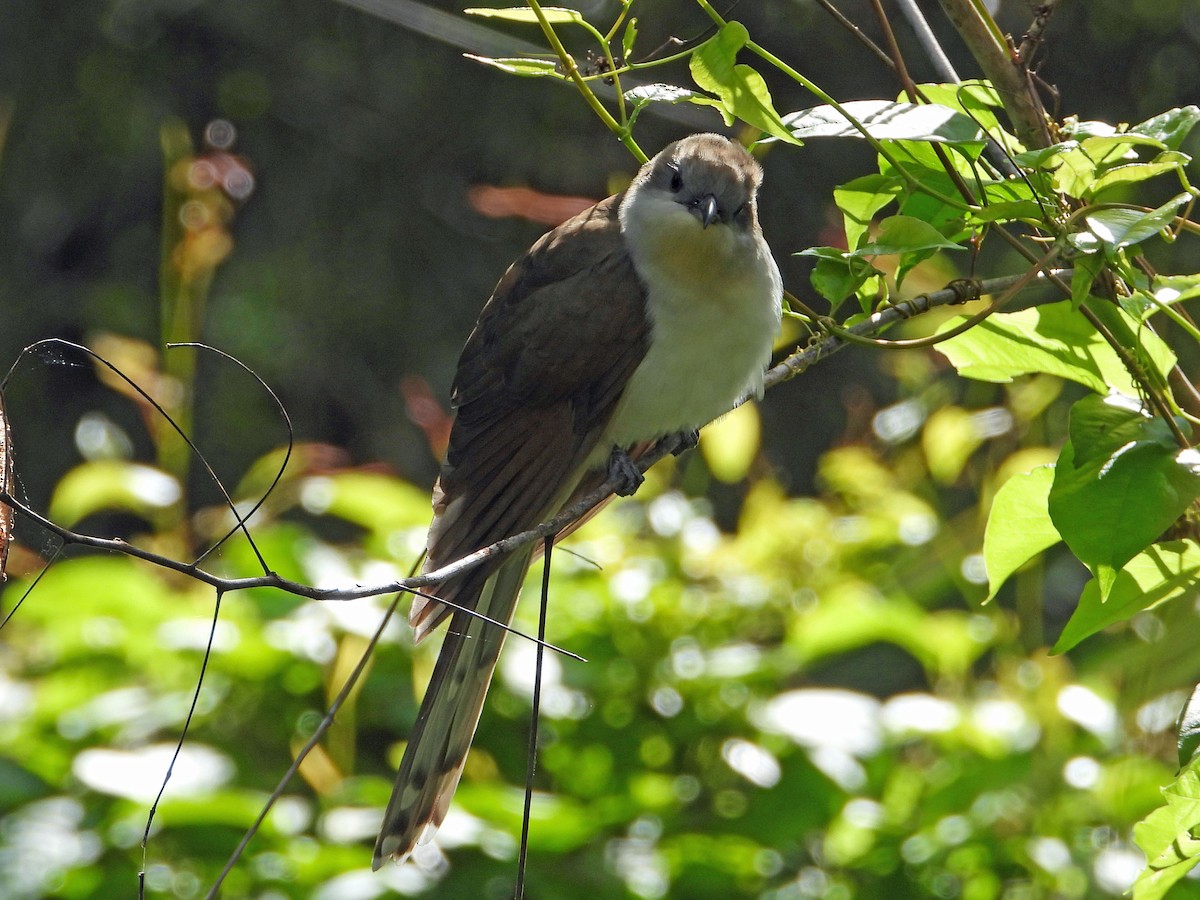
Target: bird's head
x,y
692,207
714,179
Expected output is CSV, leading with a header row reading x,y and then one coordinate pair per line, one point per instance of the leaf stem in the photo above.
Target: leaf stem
x,y
568,63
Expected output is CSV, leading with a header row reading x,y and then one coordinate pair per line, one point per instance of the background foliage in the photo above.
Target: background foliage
x,y
793,686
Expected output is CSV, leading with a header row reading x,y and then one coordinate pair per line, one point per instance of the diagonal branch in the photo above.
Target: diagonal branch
x,y
785,370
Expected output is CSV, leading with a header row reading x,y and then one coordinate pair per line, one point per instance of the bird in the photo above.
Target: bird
x,y
641,318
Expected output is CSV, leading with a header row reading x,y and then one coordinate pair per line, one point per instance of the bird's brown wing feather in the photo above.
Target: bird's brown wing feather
x,y
537,382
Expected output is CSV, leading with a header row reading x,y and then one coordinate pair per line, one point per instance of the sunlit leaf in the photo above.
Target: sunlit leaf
x,y
1055,339
1120,481
1158,574
1018,526
516,65
948,440
1166,837
668,93
1123,227
860,199
1036,159
1120,176
979,101
905,234
1189,728
555,15
1171,127
373,501
885,119
1007,211
741,89
1175,288
112,485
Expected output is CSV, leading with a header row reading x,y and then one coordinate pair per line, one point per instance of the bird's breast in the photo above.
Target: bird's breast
x,y
712,329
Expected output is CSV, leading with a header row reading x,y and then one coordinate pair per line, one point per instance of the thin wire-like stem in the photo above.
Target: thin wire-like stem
x,y
534,720
326,723
183,733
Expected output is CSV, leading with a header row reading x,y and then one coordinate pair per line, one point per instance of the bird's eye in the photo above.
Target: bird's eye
x,y
676,181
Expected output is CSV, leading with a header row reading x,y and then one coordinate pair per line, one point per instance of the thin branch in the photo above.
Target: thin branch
x,y
183,733
287,455
38,346
1032,41
857,32
785,370
296,588
799,361
534,717
321,729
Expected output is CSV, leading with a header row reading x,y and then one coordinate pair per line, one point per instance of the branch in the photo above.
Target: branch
x,y
785,370
1003,68
800,361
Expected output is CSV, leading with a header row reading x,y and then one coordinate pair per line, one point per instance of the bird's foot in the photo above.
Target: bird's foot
x,y
681,441
623,473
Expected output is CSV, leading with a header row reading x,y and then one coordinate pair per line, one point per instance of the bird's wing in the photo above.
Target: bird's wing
x,y
537,382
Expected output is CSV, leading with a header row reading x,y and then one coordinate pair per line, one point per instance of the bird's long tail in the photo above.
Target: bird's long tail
x,y
445,726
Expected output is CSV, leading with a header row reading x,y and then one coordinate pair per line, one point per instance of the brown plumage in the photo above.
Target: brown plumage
x,y
517,438
650,313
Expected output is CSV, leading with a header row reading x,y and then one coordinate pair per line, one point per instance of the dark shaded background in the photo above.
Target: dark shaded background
x,y
358,259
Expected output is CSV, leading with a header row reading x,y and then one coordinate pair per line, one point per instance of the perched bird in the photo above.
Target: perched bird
x,y
645,316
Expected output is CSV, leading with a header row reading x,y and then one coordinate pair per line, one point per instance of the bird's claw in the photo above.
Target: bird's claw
x,y
681,441
623,473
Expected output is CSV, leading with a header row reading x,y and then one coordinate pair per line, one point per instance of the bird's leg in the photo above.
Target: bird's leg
x,y
681,441
623,473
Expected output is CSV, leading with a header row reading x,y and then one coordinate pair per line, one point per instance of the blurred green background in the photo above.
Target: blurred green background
x,y
792,689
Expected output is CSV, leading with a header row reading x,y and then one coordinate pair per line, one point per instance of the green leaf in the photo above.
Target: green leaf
x,y
1055,339
860,199
517,65
979,101
920,163
1160,573
741,89
1037,159
839,275
667,93
1124,227
1018,526
1120,176
905,234
1007,211
1189,728
1080,167
886,119
627,39
378,503
1120,482
112,484
555,15
1171,127
1165,836
1086,269
1175,288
